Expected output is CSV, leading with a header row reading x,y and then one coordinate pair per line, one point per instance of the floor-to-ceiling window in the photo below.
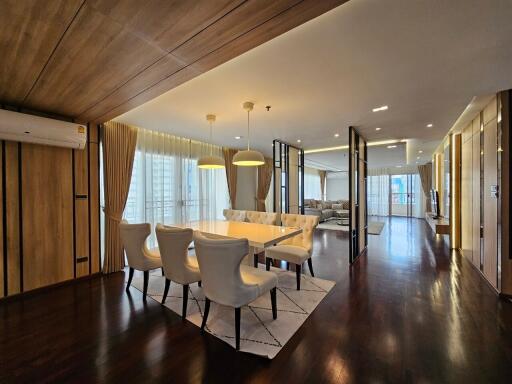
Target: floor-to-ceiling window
x,y
394,193
168,187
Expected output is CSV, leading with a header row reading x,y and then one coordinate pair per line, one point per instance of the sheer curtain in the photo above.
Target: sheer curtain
x,y
168,187
312,184
378,195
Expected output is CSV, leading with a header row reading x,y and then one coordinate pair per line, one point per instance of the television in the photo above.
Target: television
x,y
434,201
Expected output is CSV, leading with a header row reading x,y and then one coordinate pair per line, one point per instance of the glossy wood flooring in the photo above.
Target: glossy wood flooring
x,y
408,312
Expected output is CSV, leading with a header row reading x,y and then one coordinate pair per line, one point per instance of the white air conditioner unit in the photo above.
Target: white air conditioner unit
x,y
17,126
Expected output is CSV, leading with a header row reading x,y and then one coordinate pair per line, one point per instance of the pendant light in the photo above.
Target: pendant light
x,y
210,162
248,157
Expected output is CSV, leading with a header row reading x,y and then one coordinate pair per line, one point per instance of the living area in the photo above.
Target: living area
x,y
326,187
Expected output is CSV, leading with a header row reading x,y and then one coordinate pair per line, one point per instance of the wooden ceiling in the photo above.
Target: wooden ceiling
x,y
93,60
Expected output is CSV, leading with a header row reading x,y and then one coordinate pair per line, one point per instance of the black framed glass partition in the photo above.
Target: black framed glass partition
x,y
288,178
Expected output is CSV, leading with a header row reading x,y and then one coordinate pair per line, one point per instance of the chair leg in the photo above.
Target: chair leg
x,y
166,289
185,302
199,283
162,271
267,263
146,281
255,260
206,311
310,265
297,273
273,299
130,277
237,328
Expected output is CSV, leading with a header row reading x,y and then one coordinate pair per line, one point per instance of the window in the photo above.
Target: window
x,y
312,184
167,186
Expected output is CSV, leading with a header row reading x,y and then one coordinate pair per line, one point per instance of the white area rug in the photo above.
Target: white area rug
x,y
375,227
259,333
332,226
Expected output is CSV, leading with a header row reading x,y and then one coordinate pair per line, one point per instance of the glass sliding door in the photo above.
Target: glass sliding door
x,y
404,195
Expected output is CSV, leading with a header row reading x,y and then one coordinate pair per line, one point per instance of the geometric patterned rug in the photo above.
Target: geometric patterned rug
x,y
259,333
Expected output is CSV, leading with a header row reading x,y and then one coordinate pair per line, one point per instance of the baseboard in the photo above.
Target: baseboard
x,y
39,290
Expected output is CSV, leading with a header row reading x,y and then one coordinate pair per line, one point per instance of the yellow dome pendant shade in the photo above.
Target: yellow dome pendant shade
x,y
210,162
248,157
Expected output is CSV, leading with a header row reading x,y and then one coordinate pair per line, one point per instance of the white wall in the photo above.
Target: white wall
x,y
246,187
337,185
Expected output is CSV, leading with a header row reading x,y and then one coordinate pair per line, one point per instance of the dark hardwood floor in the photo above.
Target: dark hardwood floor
x,y
409,311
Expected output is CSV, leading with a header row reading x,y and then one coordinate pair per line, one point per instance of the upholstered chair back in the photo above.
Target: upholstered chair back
x,y
133,237
173,243
308,224
262,217
219,261
234,215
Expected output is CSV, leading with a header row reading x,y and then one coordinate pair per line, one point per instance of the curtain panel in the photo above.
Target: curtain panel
x,y
264,180
425,172
119,141
167,186
323,176
231,173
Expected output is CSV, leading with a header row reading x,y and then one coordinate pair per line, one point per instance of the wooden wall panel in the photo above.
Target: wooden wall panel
x,y
12,218
82,237
47,228
467,195
1,224
476,192
490,203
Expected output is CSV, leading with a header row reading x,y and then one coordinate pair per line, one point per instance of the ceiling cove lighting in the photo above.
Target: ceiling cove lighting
x,y
391,146
248,157
382,108
210,162
340,147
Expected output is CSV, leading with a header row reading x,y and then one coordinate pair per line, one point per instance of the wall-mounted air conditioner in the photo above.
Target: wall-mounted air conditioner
x,y
17,126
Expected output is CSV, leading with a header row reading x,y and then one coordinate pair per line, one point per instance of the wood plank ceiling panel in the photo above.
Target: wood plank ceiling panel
x,y
273,27
115,55
28,35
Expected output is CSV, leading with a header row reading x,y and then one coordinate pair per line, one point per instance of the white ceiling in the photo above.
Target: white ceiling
x,y
378,157
425,59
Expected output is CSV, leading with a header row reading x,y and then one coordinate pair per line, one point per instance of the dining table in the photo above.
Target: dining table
x,y
260,236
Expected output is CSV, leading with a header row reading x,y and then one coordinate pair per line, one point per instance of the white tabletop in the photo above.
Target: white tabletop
x,y
259,235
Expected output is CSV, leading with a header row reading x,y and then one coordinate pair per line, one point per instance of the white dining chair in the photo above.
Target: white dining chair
x,y
140,257
228,283
297,249
268,218
234,215
178,266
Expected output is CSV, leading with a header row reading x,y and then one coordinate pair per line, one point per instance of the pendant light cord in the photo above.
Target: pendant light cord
x,y
248,136
211,142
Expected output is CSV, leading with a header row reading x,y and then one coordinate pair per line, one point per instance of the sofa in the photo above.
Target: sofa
x,y
326,209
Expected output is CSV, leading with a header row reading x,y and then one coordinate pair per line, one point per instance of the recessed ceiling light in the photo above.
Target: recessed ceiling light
x,y
420,151
378,128
430,125
336,135
391,146
299,140
382,108
238,137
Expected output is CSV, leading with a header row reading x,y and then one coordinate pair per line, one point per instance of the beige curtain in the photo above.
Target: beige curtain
x,y
119,141
264,179
229,153
323,175
425,172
